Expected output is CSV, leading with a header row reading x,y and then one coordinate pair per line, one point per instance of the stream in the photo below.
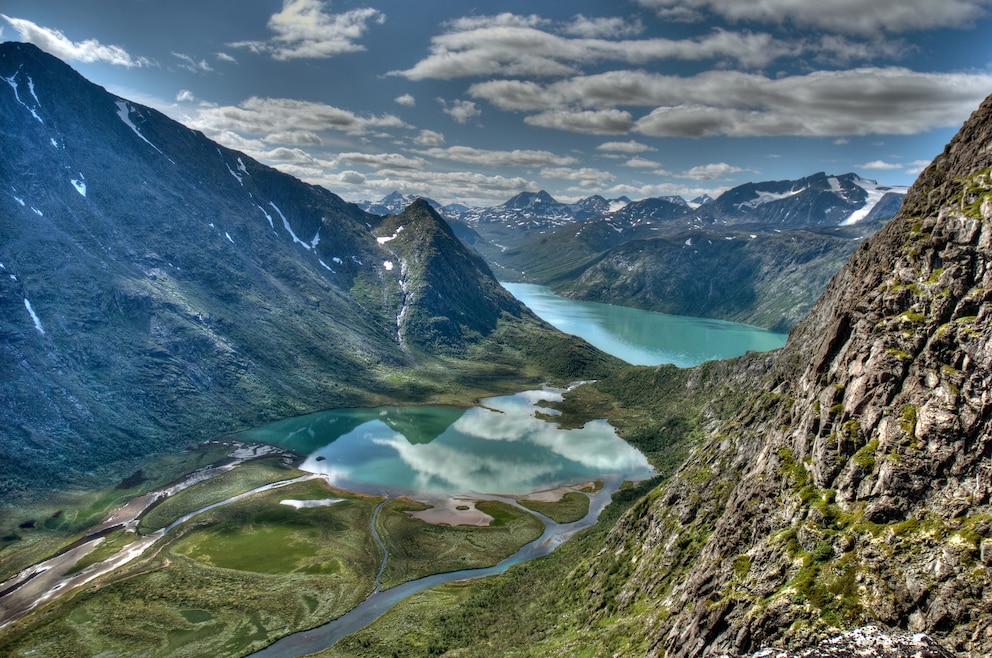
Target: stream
x,y
380,601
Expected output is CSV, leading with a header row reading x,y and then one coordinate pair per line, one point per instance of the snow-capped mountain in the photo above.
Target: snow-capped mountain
x,y
817,200
395,203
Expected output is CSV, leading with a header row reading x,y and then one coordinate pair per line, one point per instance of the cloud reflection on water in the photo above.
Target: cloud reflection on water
x,y
501,447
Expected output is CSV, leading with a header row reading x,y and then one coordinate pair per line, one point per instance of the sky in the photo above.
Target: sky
x,y
474,104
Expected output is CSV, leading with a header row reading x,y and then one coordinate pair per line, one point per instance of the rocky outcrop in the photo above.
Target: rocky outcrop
x,y
855,486
868,642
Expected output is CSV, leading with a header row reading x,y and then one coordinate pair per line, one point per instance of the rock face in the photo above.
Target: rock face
x,y
855,486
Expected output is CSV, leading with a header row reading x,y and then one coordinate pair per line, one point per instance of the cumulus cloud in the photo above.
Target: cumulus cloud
x,y
185,96
270,116
56,43
597,122
881,165
303,30
591,28
823,103
642,163
586,176
629,146
714,171
512,46
918,166
384,160
515,158
846,16
406,99
460,110
429,138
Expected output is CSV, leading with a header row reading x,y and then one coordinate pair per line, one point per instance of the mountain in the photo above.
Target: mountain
x,y
394,203
768,279
851,486
820,200
158,289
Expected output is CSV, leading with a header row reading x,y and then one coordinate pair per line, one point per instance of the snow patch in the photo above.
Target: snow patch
x,y
875,194
688,242
12,81
384,240
388,264
34,317
267,215
228,236
37,212
79,184
19,200
767,197
54,142
326,266
241,167
231,171
124,112
316,239
835,185
289,229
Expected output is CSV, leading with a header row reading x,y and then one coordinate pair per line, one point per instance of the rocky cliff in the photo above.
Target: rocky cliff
x,y
854,486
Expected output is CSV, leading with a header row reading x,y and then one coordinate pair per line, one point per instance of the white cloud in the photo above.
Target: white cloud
x,y
629,146
711,171
822,103
918,166
406,99
56,43
429,138
591,28
384,160
460,110
273,116
511,46
190,64
224,57
515,158
185,96
586,176
303,30
597,122
846,16
881,165
642,163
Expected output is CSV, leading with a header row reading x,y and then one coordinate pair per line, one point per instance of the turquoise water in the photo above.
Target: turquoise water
x,y
501,447
644,337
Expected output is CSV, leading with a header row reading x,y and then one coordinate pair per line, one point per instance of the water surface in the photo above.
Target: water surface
x,y
643,337
500,447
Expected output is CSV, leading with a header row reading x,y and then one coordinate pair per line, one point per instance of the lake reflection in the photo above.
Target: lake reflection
x,y
498,448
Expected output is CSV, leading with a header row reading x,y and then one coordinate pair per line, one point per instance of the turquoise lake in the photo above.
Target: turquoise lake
x,y
499,447
642,337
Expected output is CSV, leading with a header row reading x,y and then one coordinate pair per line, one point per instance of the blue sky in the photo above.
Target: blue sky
x,y
476,103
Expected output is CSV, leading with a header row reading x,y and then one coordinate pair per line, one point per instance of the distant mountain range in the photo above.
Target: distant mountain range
x,y
759,253
816,200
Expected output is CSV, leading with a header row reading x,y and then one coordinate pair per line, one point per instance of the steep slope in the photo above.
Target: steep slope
x,y
854,487
158,289
765,279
